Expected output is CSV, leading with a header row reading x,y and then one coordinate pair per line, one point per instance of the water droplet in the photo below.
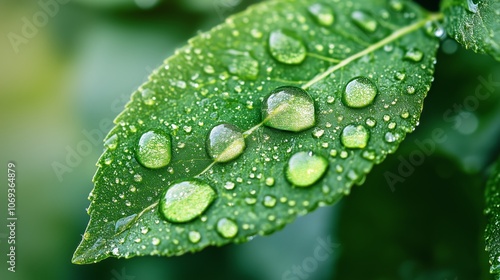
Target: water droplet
x,y
225,143
305,169
364,21
414,55
227,228
269,201
194,236
229,185
435,29
396,5
184,201
322,13
355,137
269,181
410,89
148,96
155,241
400,76
154,149
371,122
250,200
138,178
471,6
112,142
209,69
289,108
359,92
124,223
389,137
241,64
144,230
286,47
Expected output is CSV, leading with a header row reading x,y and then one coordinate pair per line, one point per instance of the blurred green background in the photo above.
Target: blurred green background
x,y
79,69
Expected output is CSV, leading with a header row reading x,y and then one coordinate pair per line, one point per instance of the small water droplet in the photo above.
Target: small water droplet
x,y
410,89
250,200
305,168
112,142
229,185
471,6
227,228
405,115
124,223
194,236
155,241
144,230
371,122
400,76
322,14
289,108
286,47
364,21
413,54
241,64
396,5
209,69
389,137
184,201
148,96
355,137
269,181
435,29
359,92
154,149
138,178
225,143
269,201
318,132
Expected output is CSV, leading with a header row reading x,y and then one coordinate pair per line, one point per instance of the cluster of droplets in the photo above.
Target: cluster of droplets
x,y
286,108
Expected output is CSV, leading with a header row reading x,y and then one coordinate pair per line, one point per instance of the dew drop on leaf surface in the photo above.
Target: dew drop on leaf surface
x,y
286,47
355,137
364,21
154,149
359,92
289,108
322,13
225,143
227,228
305,168
184,201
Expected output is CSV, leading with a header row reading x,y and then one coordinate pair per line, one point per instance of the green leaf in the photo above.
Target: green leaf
x,y
304,97
474,24
493,220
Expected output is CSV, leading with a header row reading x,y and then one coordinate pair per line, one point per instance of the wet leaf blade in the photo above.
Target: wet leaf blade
x,y
474,24
492,236
224,76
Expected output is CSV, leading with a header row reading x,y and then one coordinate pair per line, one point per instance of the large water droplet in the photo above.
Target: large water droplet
x,y
289,108
184,201
227,228
413,54
225,142
322,13
154,149
359,92
355,137
305,168
286,47
364,21
241,64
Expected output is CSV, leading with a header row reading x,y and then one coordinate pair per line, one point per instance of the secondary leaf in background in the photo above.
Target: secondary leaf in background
x,y
350,77
493,220
474,24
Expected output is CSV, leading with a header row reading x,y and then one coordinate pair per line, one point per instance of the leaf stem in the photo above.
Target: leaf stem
x,y
394,36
